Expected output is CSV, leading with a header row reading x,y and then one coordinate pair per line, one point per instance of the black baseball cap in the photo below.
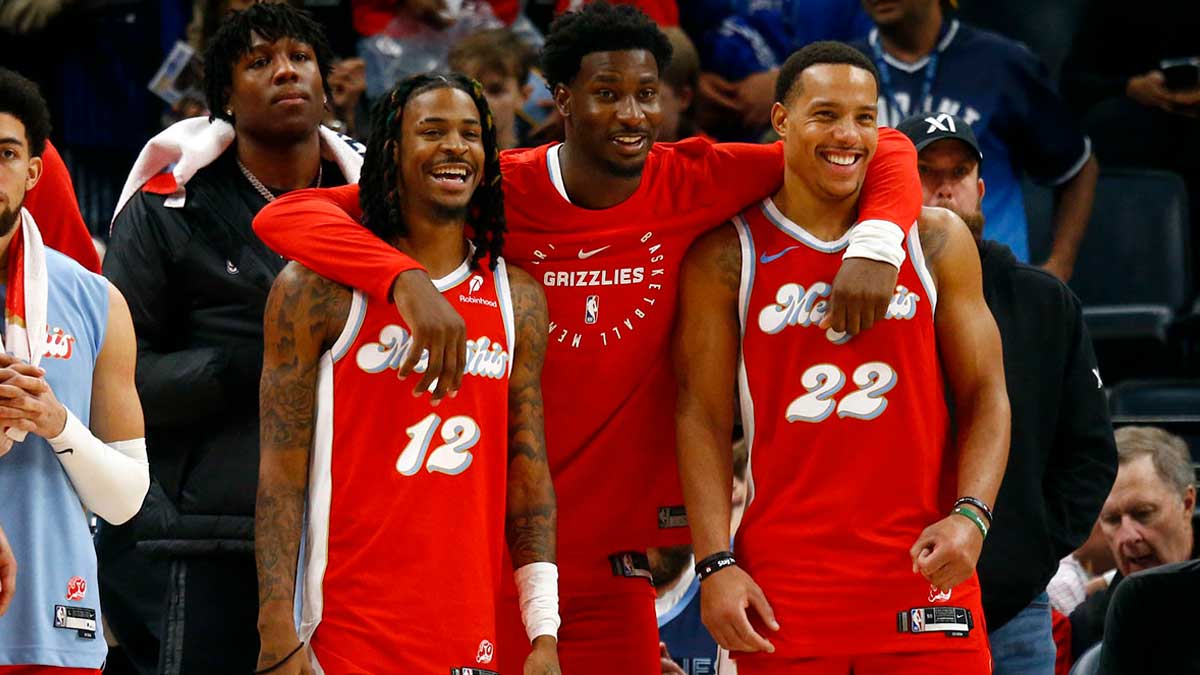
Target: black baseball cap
x,y
930,127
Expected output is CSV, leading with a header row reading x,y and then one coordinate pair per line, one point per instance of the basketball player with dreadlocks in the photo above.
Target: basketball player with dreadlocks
x,y
402,499
603,221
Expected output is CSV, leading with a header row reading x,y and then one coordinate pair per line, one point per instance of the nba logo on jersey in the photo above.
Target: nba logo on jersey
x,y
476,283
591,310
918,620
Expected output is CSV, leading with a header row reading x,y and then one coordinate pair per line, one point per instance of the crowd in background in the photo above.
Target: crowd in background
x,y
1066,98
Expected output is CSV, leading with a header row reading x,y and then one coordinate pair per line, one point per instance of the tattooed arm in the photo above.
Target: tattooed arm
x,y
973,363
304,314
532,508
708,325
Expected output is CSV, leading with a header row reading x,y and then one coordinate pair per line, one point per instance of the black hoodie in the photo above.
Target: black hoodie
x,y
1062,460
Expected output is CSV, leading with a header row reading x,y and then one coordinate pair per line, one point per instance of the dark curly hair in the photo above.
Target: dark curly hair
x,y
21,98
231,42
599,27
379,193
826,51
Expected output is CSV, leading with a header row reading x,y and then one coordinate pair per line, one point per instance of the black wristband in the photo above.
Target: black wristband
x,y
714,563
979,504
280,662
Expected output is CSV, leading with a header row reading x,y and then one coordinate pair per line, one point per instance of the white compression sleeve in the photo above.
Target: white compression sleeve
x,y
111,480
537,591
877,240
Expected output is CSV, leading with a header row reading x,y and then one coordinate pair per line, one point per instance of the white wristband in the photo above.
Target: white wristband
x,y
537,590
877,240
111,480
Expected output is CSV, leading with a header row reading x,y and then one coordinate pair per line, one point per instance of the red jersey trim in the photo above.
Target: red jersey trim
x,y
162,184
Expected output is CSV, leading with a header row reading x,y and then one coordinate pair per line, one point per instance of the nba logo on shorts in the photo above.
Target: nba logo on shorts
x,y
591,312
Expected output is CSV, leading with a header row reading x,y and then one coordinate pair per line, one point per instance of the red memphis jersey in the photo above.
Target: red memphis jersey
x,y
851,455
406,502
610,278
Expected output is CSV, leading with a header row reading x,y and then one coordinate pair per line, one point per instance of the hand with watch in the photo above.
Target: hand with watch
x,y
947,551
727,593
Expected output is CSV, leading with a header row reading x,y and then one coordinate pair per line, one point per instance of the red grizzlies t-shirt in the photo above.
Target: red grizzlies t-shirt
x,y
406,501
610,278
851,455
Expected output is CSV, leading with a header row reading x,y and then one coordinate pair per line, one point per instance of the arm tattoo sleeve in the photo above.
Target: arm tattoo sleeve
x,y
532,512
304,313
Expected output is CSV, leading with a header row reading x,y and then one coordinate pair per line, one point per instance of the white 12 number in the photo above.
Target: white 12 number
x,y
824,380
460,434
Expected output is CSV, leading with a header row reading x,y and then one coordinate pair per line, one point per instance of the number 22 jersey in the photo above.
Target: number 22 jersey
x,y
406,500
851,455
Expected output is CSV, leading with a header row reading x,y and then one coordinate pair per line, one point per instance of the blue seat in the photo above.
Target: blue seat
x,y
1133,273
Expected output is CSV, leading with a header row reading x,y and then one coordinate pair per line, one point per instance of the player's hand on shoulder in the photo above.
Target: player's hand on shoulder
x,y
947,551
26,400
437,328
725,598
862,291
543,657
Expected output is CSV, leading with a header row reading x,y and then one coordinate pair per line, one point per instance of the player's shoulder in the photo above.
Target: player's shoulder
x,y
303,284
710,246
65,269
524,287
938,220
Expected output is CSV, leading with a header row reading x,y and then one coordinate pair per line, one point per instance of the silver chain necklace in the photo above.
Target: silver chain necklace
x,y
262,189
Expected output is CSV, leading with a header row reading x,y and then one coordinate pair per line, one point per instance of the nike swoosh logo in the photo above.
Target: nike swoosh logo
x,y
764,258
68,451
584,255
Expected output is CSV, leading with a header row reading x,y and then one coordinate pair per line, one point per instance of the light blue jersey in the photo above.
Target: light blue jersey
x,y
54,618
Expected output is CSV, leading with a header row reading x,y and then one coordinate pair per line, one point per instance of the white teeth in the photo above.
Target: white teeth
x,y
841,160
628,139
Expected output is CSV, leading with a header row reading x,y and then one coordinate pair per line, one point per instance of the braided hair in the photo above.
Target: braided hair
x,y
380,193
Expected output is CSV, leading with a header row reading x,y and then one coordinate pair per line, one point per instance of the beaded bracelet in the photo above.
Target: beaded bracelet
x,y
973,517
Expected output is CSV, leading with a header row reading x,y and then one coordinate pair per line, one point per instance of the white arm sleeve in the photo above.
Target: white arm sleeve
x,y
877,240
537,591
111,480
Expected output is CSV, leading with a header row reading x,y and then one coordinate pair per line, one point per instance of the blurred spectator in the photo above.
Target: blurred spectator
x,y
1132,115
1147,519
179,582
500,61
93,62
404,37
685,640
928,62
1062,458
1137,644
1083,573
665,13
53,205
347,101
743,42
680,80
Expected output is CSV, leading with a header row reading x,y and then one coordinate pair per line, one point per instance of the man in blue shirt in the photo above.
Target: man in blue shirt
x,y
931,63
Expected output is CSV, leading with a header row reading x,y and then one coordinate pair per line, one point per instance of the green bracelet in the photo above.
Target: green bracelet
x,y
973,517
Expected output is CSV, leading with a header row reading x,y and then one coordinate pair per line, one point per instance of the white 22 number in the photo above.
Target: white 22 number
x,y
824,380
460,434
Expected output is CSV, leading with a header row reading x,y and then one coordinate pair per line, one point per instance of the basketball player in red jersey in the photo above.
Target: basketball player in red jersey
x,y
849,558
602,221
402,501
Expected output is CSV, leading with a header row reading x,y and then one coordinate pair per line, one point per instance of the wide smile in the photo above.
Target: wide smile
x,y
842,161
452,176
631,144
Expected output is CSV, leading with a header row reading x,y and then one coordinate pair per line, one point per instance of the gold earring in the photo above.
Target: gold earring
x,y
229,112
